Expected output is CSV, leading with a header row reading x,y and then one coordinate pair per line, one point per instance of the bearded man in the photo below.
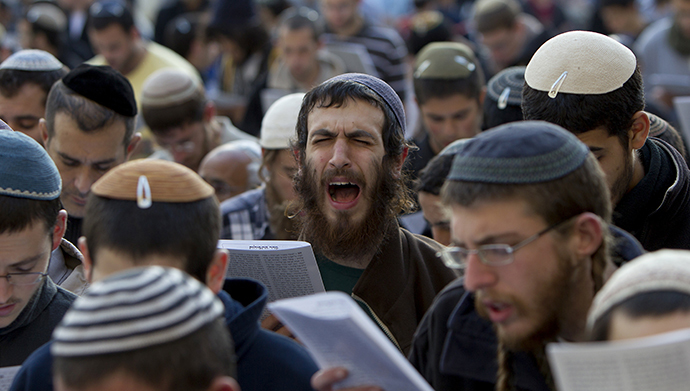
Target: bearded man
x,y
350,149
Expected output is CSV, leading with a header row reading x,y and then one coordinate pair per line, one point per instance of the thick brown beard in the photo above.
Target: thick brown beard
x,y
345,239
282,226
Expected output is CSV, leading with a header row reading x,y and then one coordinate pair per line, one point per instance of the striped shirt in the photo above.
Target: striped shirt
x,y
387,50
245,216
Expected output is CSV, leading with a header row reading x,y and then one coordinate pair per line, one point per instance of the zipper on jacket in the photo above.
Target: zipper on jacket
x,y
379,322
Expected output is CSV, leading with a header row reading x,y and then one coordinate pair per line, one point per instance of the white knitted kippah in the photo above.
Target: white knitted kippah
x,y
580,62
135,309
279,122
32,60
664,270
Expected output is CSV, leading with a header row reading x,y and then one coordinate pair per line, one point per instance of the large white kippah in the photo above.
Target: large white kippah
x,y
580,62
135,309
664,270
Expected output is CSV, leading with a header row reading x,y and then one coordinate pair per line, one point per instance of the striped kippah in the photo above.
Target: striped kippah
x,y
135,309
505,88
26,170
519,153
382,89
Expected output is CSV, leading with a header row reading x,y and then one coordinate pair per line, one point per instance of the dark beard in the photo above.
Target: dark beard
x,y
282,226
345,239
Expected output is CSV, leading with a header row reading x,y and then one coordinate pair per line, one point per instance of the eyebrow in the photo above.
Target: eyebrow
x,y
595,149
27,260
68,157
353,134
503,238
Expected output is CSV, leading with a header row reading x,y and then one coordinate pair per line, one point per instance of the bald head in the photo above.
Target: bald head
x,y
232,168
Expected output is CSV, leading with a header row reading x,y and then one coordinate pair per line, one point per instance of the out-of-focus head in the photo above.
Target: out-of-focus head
x,y
648,295
237,27
340,15
44,27
299,32
32,223
134,330
25,80
427,27
498,27
232,168
113,34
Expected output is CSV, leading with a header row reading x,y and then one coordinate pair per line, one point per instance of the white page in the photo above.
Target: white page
x,y
337,332
6,376
659,363
287,268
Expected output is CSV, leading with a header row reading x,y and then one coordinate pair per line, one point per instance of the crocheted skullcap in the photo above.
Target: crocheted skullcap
x,y
168,87
580,62
26,170
505,88
135,309
381,88
519,153
664,270
32,60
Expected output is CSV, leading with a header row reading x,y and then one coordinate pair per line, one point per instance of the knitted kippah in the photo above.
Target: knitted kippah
x,y
664,270
135,309
168,87
657,126
381,88
26,170
152,180
505,88
280,121
519,153
454,147
580,62
47,15
32,60
445,60
103,85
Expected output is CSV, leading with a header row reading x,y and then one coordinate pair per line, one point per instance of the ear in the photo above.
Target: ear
x,y
215,274
587,234
133,144
88,262
224,383
400,160
209,111
295,152
44,131
639,130
59,228
482,96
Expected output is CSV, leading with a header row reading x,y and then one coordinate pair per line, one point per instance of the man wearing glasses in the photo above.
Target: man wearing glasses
x,y
31,227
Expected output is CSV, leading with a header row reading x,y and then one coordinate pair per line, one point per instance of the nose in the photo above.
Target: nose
x,y
5,290
83,181
340,157
478,275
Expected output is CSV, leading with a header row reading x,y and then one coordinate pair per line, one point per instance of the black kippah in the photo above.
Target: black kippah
x,y
103,85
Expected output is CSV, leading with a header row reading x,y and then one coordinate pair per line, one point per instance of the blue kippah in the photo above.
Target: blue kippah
x,y
26,170
519,153
382,89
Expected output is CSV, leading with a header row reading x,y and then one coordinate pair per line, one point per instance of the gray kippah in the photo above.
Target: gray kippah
x,y
135,309
445,60
32,60
26,170
505,88
381,88
664,270
168,87
519,153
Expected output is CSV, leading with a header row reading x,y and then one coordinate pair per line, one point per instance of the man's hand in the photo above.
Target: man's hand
x,y
324,380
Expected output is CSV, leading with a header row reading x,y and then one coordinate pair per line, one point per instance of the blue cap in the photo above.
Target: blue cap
x,y
519,153
26,170
382,89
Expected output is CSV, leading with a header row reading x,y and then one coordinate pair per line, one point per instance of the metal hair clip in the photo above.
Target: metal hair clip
x,y
503,98
143,193
557,85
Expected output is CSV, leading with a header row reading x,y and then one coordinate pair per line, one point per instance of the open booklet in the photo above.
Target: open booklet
x,y
660,363
6,376
287,268
338,333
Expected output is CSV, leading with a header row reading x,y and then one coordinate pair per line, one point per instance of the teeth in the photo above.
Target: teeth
x,y
342,184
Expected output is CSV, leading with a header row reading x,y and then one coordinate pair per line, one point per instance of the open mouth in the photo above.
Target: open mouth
x,y
343,192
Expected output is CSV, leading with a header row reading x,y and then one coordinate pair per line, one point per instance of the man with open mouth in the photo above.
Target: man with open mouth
x,y
350,149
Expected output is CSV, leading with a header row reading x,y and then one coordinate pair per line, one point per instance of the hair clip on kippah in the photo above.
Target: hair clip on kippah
x,y
557,85
503,98
143,193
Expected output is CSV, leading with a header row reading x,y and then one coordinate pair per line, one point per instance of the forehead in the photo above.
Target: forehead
x,y
455,102
299,35
104,141
496,217
351,115
113,31
17,246
28,94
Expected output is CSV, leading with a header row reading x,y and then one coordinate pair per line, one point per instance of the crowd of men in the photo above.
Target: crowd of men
x,y
480,177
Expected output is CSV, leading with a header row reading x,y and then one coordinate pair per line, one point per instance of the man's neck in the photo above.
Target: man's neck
x,y
138,53
357,263
638,171
311,78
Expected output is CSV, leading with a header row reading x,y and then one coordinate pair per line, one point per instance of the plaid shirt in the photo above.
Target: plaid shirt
x,y
245,216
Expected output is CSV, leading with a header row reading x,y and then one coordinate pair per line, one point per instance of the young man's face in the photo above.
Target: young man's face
x,y
281,172
116,45
344,151
187,143
82,158
450,118
503,45
299,50
618,18
21,252
339,14
524,299
23,111
437,217
615,160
